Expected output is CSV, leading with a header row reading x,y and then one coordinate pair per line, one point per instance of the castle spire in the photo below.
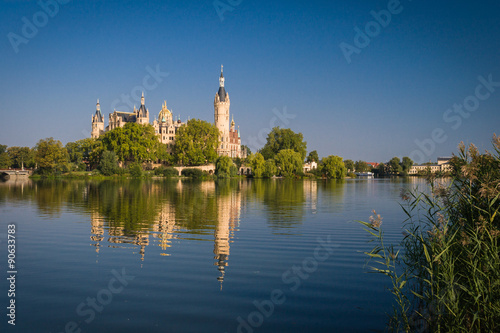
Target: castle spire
x,y
98,106
142,98
221,78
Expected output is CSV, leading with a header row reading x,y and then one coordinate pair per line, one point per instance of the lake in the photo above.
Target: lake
x,y
196,256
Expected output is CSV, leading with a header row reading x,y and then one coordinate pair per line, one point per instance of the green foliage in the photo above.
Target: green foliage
x,y
313,156
193,173
288,162
51,156
381,169
448,279
284,138
109,163
21,156
5,161
224,167
349,165
166,172
333,167
270,169
196,143
361,166
395,166
406,164
132,143
135,170
351,175
238,162
257,163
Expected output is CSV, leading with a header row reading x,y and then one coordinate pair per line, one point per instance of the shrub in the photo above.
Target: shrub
x,y
135,170
192,172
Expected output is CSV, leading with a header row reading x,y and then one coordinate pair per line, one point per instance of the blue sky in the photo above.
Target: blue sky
x,y
283,64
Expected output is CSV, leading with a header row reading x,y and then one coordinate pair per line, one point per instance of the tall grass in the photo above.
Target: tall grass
x,y
446,275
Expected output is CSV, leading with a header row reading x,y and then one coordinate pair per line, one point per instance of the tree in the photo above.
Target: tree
x,y
21,157
361,166
224,167
349,164
313,156
51,156
289,162
381,169
395,166
109,163
270,169
196,142
257,163
333,167
5,161
407,164
284,138
132,142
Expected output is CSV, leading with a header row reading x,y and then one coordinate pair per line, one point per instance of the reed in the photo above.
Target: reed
x,y
445,277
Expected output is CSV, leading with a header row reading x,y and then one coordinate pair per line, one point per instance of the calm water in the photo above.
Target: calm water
x,y
186,256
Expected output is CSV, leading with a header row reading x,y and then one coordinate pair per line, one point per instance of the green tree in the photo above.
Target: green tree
x,y
349,164
284,138
245,148
407,164
132,143
361,166
5,161
333,167
289,162
257,162
109,163
51,156
224,167
195,143
21,157
381,169
135,170
270,169
395,165
313,156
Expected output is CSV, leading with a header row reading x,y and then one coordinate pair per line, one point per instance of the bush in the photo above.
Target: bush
x,y
135,170
170,172
192,172
109,163
448,279
351,174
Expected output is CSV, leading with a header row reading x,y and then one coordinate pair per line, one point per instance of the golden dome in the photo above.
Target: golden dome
x,y
165,116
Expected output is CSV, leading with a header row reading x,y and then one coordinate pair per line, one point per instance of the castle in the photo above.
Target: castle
x,y
166,127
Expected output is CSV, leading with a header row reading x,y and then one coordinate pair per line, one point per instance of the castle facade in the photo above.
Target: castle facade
x,y
166,127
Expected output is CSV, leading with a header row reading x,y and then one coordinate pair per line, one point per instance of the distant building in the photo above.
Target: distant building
x,y
307,167
166,127
374,165
442,165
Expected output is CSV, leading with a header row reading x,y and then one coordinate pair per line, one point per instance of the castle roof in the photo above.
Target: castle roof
x,y
222,94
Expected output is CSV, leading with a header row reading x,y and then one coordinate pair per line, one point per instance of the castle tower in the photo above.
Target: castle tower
x,y
142,113
221,116
97,122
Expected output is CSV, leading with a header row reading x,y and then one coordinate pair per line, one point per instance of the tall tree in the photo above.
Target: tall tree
x,y
407,164
257,164
361,166
333,167
289,162
5,161
51,156
21,157
224,167
313,156
394,165
196,142
109,163
349,165
132,143
284,138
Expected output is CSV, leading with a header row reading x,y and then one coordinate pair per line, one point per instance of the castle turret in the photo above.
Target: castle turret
x,y
221,116
142,113
97,122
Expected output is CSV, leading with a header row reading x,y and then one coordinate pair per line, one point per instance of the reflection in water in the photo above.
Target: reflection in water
x,y
137,214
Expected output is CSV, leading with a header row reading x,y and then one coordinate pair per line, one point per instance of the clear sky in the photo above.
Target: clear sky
x,y
355,82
